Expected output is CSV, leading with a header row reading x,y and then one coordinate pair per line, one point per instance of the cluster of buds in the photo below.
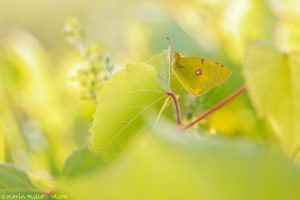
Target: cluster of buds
x,y
97,66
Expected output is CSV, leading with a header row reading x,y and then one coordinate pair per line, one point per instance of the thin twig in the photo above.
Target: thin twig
x,y
177,108
221,104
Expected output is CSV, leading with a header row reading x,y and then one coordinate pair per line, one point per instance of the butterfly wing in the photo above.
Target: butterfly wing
x,y
196,75
223,72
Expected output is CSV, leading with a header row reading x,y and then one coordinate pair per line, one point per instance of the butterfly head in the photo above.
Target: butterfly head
x,y
177,59
177,55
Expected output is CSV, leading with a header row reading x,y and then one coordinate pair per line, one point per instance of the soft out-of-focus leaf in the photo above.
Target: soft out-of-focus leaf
x,y
36,110
253,21
173,167
288,15
81,162
121,105
161,63
273,80
15,180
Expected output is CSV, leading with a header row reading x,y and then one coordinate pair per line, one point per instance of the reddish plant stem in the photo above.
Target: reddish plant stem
x,y
221,104
177,108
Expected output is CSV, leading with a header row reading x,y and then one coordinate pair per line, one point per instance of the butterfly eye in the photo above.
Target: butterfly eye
x,y
198,72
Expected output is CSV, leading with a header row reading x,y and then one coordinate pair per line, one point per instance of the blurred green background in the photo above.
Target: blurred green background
x,y
45,109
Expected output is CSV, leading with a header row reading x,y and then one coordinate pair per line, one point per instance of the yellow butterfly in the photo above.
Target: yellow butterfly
x,y
198,75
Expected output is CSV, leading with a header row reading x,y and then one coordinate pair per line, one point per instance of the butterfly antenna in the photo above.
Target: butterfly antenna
x,y
170,47
169,41
170,58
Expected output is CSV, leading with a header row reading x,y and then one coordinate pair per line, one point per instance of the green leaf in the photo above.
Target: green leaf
x,y
161,62
121,104
13,180
173,167
272,77
82,161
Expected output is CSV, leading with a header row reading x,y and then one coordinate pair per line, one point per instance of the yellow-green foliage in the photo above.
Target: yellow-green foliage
x,y
273,79
86,109
122,104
